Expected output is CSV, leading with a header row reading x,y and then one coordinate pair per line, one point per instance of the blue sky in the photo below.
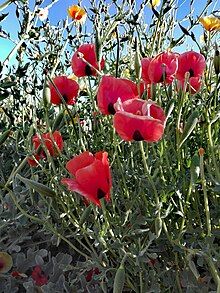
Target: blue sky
x,y
59,11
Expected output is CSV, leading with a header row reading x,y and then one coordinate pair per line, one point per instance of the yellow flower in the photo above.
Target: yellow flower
x,y
126,73
154,3
73,77
5,262
77,13
210,22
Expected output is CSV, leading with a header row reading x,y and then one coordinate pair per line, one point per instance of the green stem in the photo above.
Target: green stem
x,y
206,202
146,169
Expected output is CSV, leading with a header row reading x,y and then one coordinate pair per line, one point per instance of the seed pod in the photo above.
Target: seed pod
x,y
4,136
137,62
216,60
194,170
158,226
190,125
46,92
58,121
85,215
119,280
40,188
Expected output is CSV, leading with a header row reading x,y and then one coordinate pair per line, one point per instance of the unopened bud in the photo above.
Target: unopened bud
x,y
201,152
216,60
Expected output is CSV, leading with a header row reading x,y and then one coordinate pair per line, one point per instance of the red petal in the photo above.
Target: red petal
x,y
92,179
67,87
89,54
190,62
111,88
79,162
149,129
164,62
145,64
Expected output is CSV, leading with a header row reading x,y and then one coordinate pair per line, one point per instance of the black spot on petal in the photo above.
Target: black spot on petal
x,y
137,136
191,73
88,70
111,109
65,98
100,193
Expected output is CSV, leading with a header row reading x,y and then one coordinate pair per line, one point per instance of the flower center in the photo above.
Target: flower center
x,y
88,70
191,73
137,136
111,109
100,193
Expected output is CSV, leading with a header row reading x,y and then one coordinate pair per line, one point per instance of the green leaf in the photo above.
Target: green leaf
x,y
190,125
4,136
40,188
3,16
184,30
119,280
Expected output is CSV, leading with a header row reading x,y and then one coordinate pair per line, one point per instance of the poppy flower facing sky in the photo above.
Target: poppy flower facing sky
x,y
91,176
112,88
68,88
49,142
138,120
81,68
163,67
193,64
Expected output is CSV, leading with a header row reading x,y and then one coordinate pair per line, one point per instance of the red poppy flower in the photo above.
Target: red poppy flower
x,y
145,62
79,67
16,274
137,119
92,178
193,85
51,142
112,88
91,273
38,276
163,67
67,87
191,62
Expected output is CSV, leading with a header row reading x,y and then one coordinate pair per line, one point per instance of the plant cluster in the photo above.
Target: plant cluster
x,y
109,150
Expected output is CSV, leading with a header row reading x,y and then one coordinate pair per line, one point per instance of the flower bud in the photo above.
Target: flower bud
x,y
216,60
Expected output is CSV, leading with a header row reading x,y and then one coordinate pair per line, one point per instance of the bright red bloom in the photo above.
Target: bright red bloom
x,y
137,119
38,276
112,88
193,85
79,67
163,67
52,143
67,87
191,62
145,62
92,177
91,273
16,274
